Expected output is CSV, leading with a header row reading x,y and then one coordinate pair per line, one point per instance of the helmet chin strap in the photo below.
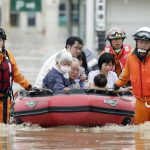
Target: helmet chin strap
x,y
116,50
2,49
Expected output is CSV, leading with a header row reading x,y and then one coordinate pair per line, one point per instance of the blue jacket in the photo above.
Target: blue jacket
x,y
55,81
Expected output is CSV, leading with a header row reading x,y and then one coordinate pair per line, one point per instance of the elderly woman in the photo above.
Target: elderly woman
x,y
57,79
105,64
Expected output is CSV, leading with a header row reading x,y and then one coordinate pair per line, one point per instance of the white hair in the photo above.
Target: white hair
x,y
63,56
75,62
74,59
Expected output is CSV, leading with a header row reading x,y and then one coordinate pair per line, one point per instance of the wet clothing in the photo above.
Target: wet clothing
x,y
55,81
1,110
142,113
8,71
138,72
120,58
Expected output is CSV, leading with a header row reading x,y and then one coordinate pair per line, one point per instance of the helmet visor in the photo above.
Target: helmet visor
x,y
142,35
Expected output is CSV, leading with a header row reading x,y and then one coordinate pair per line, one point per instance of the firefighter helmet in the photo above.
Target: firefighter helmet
x,y
142,34
116,33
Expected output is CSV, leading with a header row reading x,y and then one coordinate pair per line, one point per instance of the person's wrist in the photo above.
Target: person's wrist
x,y
29,87
116,87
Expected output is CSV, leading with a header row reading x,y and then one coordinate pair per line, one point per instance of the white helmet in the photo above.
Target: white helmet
x,y
116,33
143,33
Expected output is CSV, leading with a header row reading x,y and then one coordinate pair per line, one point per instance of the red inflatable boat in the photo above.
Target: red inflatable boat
x,y
79,107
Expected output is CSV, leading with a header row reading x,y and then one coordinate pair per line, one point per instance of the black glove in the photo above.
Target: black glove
x,y
29,87
116,87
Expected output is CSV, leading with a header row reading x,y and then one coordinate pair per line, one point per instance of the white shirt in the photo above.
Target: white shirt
x,y
49,63
111,77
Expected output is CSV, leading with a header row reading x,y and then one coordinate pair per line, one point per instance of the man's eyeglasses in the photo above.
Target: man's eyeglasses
x,y
78,48
75,69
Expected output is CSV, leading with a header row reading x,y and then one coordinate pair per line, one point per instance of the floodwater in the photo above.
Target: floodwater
x,y
30,53
113,137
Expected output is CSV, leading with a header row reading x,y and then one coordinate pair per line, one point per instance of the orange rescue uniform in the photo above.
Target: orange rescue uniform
x,y
17,77
139,74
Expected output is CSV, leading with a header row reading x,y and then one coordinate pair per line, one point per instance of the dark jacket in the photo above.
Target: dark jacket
x,y
55,81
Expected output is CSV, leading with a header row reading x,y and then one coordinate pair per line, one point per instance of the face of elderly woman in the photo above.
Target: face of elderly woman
x,y
64,66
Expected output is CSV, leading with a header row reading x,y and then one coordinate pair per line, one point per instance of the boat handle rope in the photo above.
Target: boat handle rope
x,y
129,100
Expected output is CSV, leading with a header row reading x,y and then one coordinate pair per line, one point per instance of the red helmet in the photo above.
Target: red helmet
x,y
3,34
116,33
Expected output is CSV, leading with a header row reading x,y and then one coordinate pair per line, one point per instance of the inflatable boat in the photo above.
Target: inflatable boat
x,y
84,107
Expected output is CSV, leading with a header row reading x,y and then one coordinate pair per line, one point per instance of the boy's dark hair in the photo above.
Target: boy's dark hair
x,y
72,39
100,80
105,58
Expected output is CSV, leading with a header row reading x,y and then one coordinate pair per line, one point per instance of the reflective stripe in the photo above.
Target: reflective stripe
x,y
147,105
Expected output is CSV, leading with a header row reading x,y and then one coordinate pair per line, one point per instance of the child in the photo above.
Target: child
x,y
100,81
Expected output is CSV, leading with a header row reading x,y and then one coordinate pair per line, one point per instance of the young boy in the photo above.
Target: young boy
x,y
100,81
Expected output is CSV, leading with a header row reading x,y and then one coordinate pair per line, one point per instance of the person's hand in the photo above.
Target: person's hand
x,y
130,88
116,87
66,89
83,77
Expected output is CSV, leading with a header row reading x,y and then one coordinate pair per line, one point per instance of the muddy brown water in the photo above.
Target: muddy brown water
x,y
112,137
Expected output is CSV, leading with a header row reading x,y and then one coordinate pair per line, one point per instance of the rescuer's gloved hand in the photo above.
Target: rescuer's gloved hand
x,y
116,87
29,87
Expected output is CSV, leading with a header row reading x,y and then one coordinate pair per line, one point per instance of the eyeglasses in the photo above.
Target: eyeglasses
x,y
77,48
142,35
75,69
